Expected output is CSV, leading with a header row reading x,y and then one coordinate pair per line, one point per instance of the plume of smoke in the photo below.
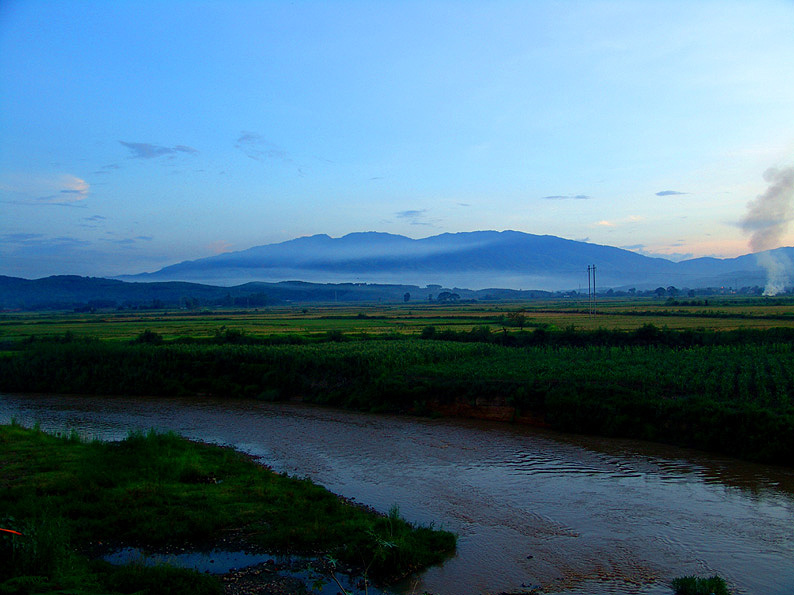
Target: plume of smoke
x,y
777,271
767,219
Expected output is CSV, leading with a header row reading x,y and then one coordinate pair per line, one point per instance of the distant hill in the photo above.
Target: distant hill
x,y
66,292
473,260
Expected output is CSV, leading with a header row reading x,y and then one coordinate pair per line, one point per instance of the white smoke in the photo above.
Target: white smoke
x,y
767,219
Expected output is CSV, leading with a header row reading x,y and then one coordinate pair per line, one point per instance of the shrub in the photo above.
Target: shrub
x,y
692,585
149,337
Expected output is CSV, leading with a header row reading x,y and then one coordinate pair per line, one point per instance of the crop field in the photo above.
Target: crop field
x,y
721,313
716,374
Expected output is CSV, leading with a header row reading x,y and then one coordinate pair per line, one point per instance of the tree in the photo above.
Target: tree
x,y
517,319
446,296
150,337
660,291
406,297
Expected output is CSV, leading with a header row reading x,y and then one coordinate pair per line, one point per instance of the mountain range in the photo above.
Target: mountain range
x,y
474,260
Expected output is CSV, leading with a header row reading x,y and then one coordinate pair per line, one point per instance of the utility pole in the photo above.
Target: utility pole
x,y
589,292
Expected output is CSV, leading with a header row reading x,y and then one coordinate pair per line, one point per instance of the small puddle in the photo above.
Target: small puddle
x,y
221,562
213,561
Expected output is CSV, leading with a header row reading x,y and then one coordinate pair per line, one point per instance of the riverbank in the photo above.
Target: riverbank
x,y
617,511
725,392
67,498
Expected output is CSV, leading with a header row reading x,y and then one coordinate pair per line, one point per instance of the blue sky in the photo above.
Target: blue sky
x,y
137,134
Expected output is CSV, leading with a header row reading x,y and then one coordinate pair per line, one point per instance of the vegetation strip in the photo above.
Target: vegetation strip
x,y
65,496
727,391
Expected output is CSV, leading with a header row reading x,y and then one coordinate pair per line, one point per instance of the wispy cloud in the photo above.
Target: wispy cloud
x,y
19,238
63,190
617,222
258,148
414,217
106,169
37,241
568,197
411,214
128,241
74,190
93,222
670,193
666,251
151,151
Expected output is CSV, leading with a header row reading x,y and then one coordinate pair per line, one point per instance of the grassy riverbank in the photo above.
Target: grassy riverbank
x,y
726,391
67,496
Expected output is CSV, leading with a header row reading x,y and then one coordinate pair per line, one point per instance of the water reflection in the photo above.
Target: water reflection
x,y
308,571
573,514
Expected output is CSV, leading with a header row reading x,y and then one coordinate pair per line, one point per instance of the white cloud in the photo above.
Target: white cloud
x,y
73,189
64,190
617,222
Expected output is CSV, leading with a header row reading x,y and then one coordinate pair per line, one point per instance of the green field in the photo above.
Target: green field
x,y
719,313
716,375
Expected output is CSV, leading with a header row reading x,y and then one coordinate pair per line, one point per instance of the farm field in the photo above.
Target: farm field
x,y
715,375
718,376
721,313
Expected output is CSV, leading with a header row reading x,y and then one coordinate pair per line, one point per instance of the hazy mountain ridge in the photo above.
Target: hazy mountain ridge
x,y
468,259
375,267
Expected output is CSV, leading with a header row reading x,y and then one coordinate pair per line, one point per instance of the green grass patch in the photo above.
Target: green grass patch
x,y
42,560
162,490
692,585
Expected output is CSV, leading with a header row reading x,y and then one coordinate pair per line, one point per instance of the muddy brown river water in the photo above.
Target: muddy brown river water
x,y
570,514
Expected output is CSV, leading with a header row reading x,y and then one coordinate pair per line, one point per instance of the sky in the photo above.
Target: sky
x,y
137,134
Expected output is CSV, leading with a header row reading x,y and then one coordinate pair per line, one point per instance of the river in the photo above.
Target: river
x,y
533,508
